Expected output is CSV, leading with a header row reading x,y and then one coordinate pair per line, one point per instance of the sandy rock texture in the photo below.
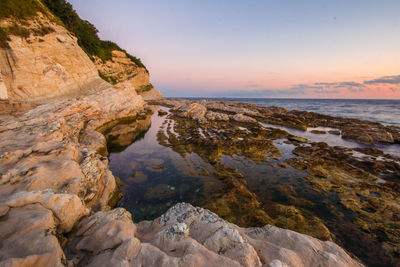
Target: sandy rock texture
x,y
121,69
191,236
46,65
152,94
3,89
52,172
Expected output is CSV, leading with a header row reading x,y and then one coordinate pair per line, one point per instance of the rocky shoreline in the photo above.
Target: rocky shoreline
x,y
57,193
360,180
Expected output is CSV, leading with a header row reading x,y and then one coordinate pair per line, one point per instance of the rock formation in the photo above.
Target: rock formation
x,y
190,236
121,68
3,89
41,60
46,66
53,172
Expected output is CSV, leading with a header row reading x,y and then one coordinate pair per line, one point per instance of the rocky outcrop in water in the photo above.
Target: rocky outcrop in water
x,y
364,132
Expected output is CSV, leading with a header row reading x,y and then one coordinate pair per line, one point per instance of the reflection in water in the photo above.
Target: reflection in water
x,y
155,177
123,133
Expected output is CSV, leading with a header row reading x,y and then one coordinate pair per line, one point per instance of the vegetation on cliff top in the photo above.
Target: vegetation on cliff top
x,y
88,39
86,32
21,10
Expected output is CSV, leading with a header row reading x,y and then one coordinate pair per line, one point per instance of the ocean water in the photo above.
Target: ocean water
x,y
384,111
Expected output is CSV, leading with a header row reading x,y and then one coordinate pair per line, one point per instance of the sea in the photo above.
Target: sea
x,y
386,112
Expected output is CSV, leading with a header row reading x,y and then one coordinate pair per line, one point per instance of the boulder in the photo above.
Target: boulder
x,y
243,118
216,116
196,111
192,236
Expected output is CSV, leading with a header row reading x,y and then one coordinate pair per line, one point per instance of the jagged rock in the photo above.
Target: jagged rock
x,y
162,113
196,111
360,136
318,132
243,118
233,108
216,116
335,132
190,236
298,139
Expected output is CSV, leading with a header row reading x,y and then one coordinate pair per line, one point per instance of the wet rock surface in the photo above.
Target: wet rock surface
x,y
364,132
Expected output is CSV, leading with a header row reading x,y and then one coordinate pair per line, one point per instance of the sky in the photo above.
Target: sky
x,y
258,48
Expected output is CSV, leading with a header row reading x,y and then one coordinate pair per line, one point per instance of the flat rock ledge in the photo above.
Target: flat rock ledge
x,y
56,193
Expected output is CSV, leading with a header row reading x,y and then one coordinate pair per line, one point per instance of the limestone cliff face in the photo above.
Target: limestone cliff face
x,y
46,65
3,89
121,68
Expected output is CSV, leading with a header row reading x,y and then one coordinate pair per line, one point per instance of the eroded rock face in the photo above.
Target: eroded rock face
x,y
190,236
152,94
47,66
52,172
122,69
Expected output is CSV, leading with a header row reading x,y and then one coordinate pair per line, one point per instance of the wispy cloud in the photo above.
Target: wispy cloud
x,y
385,80
295,91
332,87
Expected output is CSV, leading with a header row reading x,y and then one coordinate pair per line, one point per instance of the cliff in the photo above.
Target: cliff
x,y
39,67
42,59
121,68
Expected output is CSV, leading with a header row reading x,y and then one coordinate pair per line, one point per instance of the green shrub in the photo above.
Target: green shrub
x,y
145,88
86,32
20,9
4,39
43,30
108,79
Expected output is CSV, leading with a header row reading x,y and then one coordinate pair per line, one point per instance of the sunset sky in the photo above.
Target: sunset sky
x,y
258,48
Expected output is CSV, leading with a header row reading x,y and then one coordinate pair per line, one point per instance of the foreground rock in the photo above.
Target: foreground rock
x,y
190,236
